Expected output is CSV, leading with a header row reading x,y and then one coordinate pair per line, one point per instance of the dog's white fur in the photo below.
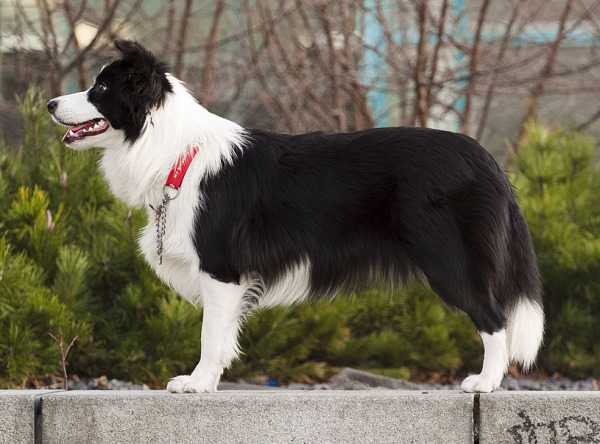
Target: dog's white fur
x,y
136,173
525,331
495,363
519,342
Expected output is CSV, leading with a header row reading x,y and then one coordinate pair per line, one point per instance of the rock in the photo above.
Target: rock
x,y
243,386
101,383
351,379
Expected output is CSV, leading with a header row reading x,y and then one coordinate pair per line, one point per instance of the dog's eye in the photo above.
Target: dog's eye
x,y
101,87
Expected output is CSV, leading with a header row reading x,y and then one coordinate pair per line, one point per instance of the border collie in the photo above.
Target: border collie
x,y
261,219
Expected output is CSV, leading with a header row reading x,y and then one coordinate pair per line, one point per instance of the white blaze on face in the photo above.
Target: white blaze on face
x,y
87,127
73,109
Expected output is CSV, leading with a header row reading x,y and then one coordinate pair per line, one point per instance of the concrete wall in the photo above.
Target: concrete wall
x,y
18,415
282,416
539,417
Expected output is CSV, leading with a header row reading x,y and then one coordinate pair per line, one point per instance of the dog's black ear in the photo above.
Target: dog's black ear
x,y
137,54
148,72
127,46
146,82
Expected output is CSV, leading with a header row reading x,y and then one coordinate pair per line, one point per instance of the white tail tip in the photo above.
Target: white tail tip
x,y
525,329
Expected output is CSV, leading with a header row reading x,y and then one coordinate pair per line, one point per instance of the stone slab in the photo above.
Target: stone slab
x,y
17,419
270,416
539,417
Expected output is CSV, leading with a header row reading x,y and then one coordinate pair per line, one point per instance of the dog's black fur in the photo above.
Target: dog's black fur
x,y
291,216
393,201
361,208
127,89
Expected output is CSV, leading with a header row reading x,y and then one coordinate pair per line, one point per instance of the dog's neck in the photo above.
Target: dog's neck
x,y
136,172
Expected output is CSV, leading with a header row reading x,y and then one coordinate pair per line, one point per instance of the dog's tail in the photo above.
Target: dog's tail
x,y
525,331
525,310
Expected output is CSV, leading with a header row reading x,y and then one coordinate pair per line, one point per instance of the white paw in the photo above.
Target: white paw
x,y
177,383
479,383
189,384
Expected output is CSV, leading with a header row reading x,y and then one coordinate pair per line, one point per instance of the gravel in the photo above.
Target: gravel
x,y
349,379
101,383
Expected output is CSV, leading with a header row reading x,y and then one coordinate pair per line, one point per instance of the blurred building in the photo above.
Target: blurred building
x,y
568,98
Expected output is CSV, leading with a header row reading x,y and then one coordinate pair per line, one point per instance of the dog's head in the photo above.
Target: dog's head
x,y
116,107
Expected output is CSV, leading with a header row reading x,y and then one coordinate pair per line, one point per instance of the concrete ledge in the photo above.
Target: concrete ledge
x,y
380,416
539,417
17,415
282,416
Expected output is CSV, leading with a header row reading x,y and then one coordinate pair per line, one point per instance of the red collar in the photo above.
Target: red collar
x,y
178,170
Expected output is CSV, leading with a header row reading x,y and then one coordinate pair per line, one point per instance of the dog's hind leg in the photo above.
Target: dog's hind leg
x,y
224,308
495,363
489,319
445,260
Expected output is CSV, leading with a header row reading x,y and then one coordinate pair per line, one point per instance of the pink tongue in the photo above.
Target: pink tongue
x,y
82,126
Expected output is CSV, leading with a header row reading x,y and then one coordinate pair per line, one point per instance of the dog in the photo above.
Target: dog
x,y
242,218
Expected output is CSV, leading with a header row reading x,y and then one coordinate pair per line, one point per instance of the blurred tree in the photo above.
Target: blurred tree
x,y
557,178
69,266
77,272
328,64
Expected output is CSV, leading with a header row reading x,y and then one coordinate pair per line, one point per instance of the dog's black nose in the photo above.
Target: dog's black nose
x,y
52,104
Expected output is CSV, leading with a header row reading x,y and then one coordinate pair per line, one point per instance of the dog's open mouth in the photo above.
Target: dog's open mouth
x,y
82,130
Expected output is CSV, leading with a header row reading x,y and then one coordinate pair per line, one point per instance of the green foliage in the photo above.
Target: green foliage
x,y
558,179
69,266
410,329
28,312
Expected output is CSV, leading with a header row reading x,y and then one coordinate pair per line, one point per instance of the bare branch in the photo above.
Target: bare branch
x,y
71,19
104,26
546,72
209,59
436,53
183,27
473,61
64,354
420,105
499,60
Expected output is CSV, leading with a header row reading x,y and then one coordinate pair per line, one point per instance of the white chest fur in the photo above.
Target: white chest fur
x,y
180,262
136,174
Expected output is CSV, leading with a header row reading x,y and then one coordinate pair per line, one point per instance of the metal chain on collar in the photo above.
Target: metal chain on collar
x,y
160,220
170,192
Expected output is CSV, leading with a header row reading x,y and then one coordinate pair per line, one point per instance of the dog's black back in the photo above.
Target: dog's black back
x,y
375,205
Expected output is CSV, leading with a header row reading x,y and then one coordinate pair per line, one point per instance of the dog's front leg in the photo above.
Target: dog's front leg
x,y
223,311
